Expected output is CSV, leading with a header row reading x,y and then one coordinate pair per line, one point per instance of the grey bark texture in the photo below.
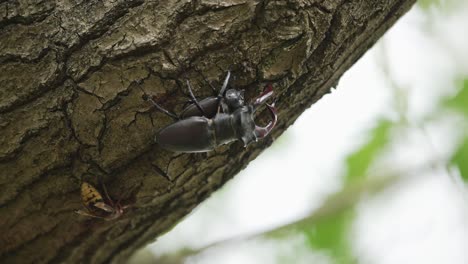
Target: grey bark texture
x,y
71,109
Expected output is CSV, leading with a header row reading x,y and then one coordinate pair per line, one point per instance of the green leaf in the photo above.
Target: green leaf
x,y
359,162
460,159
330,234
426,4
440,5
460,101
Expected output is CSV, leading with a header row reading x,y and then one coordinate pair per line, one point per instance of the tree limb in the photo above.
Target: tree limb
x,y
71,108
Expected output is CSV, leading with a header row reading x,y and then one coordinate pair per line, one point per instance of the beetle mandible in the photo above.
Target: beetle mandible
x,y
215,120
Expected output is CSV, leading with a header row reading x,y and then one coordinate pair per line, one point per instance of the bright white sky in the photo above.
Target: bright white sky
x,y
421,220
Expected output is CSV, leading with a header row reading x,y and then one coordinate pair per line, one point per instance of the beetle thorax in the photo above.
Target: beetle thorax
x,y
224,128
245,124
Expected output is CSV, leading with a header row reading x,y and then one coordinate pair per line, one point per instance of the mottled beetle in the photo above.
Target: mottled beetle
x,y
98,206
215,120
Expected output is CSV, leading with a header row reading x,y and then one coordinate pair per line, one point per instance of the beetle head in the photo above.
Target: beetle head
x,y
234,99
245,115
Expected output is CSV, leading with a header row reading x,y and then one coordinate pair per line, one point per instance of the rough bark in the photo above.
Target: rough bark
x,y
71,109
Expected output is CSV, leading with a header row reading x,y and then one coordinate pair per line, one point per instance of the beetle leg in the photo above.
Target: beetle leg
x,y
105,207
118,207
195,101
81,212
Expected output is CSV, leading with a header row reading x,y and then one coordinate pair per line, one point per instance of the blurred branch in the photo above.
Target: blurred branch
x,y
336,203
400,94
402,103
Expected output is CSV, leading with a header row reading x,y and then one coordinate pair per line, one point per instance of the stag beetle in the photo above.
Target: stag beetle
x,y
214,121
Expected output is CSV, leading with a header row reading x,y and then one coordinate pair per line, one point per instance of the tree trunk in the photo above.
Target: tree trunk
x,y
71,108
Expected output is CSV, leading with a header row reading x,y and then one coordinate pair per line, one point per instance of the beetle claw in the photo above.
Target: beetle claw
x,y
261,132
267,93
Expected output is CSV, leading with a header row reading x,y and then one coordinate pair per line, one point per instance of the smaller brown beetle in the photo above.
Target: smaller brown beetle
x,y
98,206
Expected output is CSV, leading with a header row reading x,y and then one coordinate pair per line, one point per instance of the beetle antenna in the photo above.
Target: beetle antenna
x,y
194,99
127,192
81,212
105,191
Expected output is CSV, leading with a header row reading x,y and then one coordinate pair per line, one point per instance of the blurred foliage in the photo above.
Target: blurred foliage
x,y
331,235
325,228
142,256
426,4
460,159
460,101
359,162
439,5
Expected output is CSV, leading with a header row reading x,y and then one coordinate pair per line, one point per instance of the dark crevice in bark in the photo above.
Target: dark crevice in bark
x,y
26,20
126,244
28,186
66,250
40,91
104,25
15,251
10,58
97,31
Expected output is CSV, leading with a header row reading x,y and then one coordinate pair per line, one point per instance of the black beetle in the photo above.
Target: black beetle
x,y
215,120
